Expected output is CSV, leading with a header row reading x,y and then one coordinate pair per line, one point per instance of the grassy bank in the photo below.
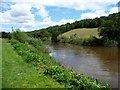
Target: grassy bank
x,y
19,74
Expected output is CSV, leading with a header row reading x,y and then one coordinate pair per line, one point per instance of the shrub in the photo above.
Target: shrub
x,y
46,40
20,36
63,39
34,41
110,43
13,41
74,39
27,52
91,41
56,72
72,79
37,43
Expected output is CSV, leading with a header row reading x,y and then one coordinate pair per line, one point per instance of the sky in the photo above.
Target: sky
x,y
29,15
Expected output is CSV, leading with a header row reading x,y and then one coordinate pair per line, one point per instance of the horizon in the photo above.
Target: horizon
x,y
34,15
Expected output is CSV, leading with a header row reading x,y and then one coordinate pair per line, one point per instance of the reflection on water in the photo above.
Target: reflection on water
x,y
97,62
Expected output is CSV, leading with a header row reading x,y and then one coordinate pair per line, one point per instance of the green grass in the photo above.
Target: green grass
x,y
82,32
16,73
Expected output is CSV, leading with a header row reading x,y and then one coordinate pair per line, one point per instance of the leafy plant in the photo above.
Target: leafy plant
x,y
110,43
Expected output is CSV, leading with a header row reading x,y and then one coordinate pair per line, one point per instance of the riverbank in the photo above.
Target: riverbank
x,y
16,73
43,62
34,53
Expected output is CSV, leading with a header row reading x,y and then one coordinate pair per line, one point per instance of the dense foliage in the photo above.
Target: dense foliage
x,y
76,40
43,61
109,28
5,35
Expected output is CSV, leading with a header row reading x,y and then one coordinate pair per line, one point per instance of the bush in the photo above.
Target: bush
x,y
20,36
72,79
63,39
110,43
42,49
46,40
56,72
37,43
34,41
13,41
92,41
28,52
74,39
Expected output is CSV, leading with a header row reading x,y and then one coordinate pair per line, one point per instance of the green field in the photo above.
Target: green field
x,y
16,73
82,32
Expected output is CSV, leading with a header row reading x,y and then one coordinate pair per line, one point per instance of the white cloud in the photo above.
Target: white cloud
x,y
113,10
63,21
19,14
48,22
98,13
75,4
91,15
79,4
42,11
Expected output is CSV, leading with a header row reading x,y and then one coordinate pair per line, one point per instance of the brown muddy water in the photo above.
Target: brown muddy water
x,y
97,62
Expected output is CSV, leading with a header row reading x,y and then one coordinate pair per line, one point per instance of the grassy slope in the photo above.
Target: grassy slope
x,y
82,32
18,74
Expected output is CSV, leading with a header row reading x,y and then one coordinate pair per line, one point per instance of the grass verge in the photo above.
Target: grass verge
x,y
18,74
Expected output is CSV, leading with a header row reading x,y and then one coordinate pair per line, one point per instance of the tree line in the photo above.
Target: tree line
x,y
109,29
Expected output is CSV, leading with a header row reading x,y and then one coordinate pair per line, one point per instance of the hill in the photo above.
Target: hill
x,y
110,22
82,32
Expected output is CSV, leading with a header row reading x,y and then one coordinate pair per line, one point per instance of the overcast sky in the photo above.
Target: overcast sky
x,y
29,15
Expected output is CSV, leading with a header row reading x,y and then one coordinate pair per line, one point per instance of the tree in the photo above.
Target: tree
x,y
110,29
20,36
5,35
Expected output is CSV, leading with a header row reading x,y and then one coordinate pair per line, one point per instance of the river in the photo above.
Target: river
x,y
96,62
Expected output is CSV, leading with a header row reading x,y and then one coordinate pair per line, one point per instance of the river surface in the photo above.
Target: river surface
x,y
96,62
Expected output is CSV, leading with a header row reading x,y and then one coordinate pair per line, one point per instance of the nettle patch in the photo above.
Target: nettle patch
x,y
73,80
